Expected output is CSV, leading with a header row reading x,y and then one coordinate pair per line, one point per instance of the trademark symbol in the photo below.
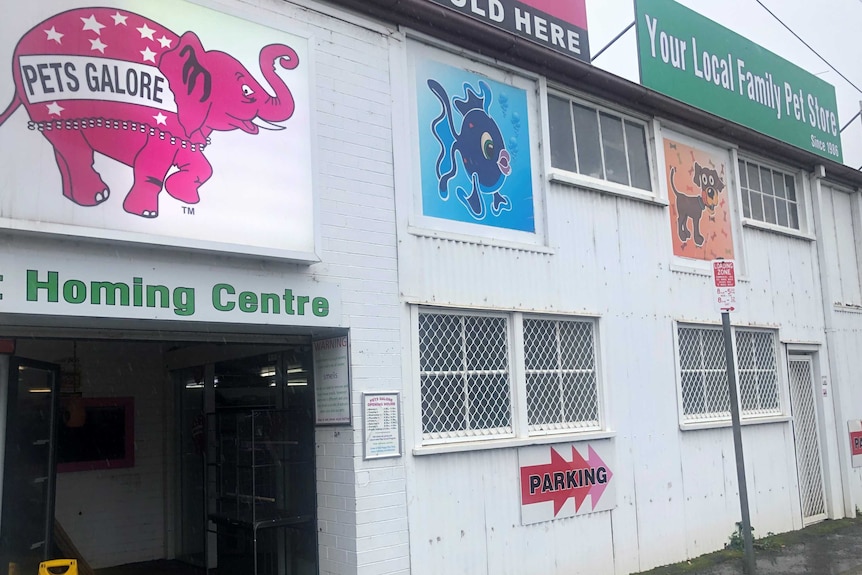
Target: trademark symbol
x,y
188,210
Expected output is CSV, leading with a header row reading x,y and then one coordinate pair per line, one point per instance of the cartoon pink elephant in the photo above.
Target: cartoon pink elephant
x,y
114,82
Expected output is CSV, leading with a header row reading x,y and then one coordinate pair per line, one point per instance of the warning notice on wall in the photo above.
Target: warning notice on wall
x,y
331,381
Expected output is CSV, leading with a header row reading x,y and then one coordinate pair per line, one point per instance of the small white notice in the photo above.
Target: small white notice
x,y
724,279
381,422
331,381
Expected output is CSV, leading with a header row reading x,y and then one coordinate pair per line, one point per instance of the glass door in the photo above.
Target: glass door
x,y
27,526
192,444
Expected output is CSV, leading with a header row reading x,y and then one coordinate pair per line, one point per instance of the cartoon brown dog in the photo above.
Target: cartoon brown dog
x,y
691,207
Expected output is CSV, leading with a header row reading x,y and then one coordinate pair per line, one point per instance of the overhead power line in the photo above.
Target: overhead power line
x,y
609,44
807,45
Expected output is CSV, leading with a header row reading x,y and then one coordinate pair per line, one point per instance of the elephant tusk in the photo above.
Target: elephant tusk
x,y
266,125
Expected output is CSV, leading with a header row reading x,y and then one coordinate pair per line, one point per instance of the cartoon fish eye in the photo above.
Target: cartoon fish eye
x,y
487,146
246,90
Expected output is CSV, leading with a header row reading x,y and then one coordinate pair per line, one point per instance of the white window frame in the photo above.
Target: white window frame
x,y
576,179
565,426
521,433
472,434
722,419
801,181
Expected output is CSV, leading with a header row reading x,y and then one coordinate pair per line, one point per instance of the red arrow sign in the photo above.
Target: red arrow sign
x,y
560,480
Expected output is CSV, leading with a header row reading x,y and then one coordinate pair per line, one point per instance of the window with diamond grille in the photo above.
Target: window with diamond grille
x,y
562,389
758,373
464,375
703,374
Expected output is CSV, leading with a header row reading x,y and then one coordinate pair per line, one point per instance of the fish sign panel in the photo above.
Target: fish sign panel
x,y
474,142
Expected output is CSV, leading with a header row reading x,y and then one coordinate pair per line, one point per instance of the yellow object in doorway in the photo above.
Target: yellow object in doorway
x,y
59,567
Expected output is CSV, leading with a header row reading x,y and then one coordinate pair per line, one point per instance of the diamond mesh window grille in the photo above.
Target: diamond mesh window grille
x,y
562,386
758,373
703,369
464,375
703,374
808,462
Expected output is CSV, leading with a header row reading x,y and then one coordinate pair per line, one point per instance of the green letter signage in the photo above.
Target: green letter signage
x,y
691,58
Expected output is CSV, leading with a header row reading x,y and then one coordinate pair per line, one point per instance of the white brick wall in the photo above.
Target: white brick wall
x,y
362,513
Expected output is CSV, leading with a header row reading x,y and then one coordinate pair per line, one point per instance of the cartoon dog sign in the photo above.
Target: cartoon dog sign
x,y
700,214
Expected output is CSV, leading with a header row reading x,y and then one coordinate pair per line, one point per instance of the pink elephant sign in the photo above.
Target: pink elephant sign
x,y
131,101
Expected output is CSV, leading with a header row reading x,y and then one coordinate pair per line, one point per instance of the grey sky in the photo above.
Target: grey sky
x,y
832,27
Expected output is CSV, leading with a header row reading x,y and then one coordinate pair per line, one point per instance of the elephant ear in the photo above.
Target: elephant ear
x,y
190,82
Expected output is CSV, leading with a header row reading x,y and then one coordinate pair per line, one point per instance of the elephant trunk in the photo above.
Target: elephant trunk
x,y
280,107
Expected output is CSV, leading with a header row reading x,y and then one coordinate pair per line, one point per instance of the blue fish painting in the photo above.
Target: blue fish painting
x,y
475,144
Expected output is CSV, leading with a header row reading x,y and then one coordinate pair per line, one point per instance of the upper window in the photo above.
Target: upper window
x,y
769,195
466,381
598,143
703,374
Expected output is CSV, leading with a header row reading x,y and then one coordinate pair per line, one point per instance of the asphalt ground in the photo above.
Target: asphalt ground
x,y
826,548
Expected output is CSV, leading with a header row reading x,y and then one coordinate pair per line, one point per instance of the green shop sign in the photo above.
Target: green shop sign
x,y
691,58
63,283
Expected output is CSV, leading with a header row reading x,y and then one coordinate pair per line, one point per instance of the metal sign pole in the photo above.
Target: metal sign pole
x,y
737,446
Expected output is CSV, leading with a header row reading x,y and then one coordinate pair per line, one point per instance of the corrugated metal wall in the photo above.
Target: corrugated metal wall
x,y
676,490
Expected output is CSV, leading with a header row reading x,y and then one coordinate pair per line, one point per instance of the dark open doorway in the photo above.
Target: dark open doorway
x,y
191,496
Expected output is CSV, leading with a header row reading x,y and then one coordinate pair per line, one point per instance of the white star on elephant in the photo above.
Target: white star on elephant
x,y
160,119
92,24
146,31
54,35
54,108
98,45
149,55
119,19
165,42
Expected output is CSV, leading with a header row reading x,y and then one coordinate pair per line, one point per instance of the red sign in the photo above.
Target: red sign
x,y
557,25
724,278
573,12
723,273
561,480
856,442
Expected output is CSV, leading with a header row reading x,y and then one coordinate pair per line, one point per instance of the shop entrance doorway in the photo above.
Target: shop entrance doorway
x,y
173,454
247,463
